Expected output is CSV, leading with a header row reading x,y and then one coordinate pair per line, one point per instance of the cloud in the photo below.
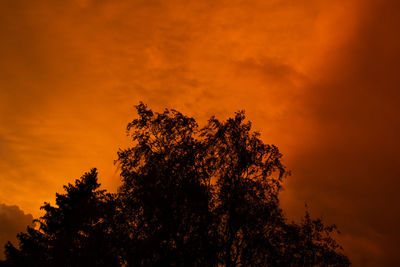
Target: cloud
x,y
317,78
72,70
347,167
13,221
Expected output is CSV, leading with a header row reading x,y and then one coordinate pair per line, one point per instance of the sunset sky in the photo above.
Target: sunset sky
x,y
318,78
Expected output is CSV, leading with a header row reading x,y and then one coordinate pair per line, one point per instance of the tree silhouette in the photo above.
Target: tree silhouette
x,y
77,232
190,196
247,207
166,195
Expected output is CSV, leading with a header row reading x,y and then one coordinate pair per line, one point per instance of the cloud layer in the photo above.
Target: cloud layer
x,y
317,78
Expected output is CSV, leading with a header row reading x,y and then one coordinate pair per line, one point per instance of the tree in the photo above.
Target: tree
x,y
190,196
166,197
247,175
77,232
209,196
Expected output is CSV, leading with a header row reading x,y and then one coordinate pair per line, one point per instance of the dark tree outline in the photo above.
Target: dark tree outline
x,y
190,197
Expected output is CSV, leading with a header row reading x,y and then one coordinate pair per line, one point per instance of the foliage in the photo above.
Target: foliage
x,y
190,196
77,232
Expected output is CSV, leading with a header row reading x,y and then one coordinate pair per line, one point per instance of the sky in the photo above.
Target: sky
x,y
318,78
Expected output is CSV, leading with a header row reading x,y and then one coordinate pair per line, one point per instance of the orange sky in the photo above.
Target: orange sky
x,y
317,78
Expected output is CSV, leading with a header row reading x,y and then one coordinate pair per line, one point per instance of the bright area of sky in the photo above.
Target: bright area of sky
x,y
318,78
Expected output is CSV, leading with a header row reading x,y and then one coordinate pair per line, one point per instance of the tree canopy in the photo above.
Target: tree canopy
x,y
190,196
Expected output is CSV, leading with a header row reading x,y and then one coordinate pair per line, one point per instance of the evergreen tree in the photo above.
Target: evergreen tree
x,y
75,232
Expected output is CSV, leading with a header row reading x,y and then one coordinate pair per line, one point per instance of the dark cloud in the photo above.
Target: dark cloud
x,y
348,169
12,221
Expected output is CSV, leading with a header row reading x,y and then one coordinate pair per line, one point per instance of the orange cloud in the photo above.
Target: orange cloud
x,y
317,78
